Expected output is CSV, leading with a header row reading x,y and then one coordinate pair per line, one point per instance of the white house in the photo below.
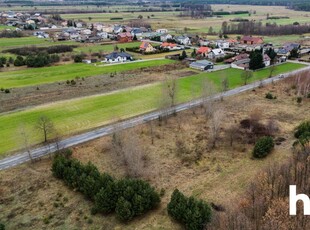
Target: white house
x,y
222,44
162,31
216,53
267,60
204,42
116,57
86,32
103,35
183,40
165,37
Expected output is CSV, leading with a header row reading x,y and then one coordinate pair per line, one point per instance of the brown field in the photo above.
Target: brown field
x,y
46,93
31,198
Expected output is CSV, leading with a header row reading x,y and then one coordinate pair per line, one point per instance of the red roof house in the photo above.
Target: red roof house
x,y
204,50
124,37
249,40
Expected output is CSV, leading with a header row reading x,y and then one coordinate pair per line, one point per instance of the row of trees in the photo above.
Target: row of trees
x,y
194,214
39,60
33,50
126,197
258,28
11,34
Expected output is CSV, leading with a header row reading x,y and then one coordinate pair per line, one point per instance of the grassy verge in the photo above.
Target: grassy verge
x,y
31,76
81,114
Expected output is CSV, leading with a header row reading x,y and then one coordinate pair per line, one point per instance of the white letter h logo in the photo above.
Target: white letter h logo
x,y
293,201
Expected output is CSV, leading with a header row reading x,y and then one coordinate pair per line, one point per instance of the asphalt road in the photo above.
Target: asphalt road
x,y
109,129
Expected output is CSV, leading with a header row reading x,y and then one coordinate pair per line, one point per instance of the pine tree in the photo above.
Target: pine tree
x,y
123,209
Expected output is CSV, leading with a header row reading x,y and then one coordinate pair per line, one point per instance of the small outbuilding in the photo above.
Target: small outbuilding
x,y
202,65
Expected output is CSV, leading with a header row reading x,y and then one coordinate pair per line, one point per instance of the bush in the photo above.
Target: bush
x,y
7,91
299,100
78,58
302,133
263,147
19,61
2,227
270,96
193,213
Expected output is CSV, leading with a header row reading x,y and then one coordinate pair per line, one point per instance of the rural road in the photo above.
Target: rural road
x,y
109,129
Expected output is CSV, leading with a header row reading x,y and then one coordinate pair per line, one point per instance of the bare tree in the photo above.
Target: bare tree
x,y
215,126
271,70
170,86
232,133
46,126
246,76
224,86
25,139
130,152
208,103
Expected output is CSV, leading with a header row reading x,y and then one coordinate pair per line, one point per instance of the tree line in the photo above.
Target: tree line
x,y
38,60
252,27
32,50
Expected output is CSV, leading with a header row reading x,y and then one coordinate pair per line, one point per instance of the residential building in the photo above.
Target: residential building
x,y
147,47
203,50
165,37
223,44
162,31
266,60
183,40
116,57
202,65
124,37
216,53
249,40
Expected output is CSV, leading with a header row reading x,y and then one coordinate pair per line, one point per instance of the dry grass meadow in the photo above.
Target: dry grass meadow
x,y
32,198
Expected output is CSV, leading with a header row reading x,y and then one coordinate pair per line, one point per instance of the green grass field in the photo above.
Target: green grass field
x,y
37,76
6,43
105,48
81,114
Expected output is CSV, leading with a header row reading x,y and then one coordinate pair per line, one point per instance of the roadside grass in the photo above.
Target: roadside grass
x,y
76,115
37,76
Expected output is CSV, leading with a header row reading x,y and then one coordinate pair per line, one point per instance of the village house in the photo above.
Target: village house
x,y
204,42
170,46
165,37
241,64
202,65
216,53
124,37
118,29
237,58
103,35
162,31
183,40
249,40
204,51
146,47
107,28
222,44
266,60
116,57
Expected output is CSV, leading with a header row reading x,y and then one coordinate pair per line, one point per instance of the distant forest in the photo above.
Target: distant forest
x,y
292,4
